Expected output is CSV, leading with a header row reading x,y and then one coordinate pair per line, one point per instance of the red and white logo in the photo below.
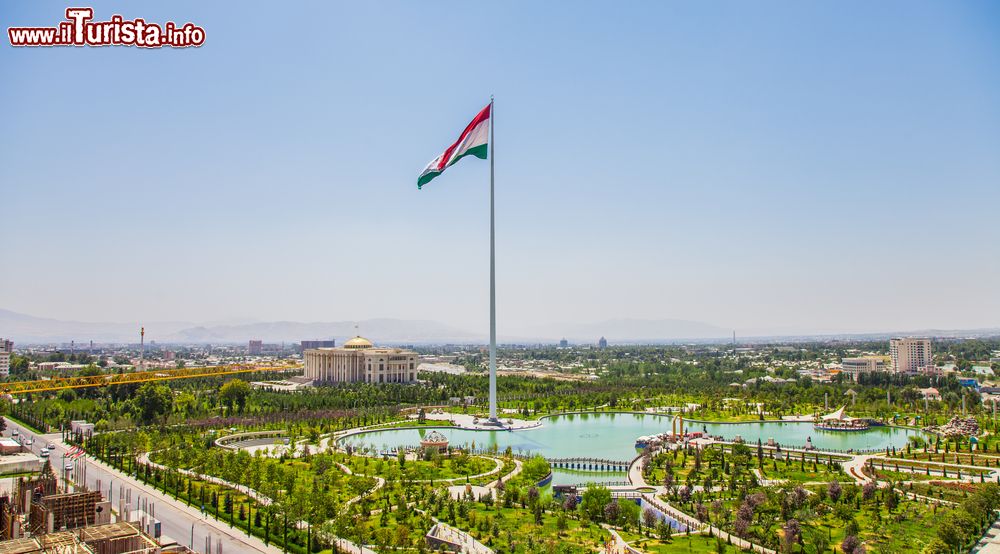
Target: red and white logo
x,y
79,29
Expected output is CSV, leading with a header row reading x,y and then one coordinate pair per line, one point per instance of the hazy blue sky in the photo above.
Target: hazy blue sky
x,y
758,165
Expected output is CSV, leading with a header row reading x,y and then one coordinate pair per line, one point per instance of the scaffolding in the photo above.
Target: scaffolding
x,y
117,538
65,523
20,546
10,525
63,542
112,538
64,511
29,490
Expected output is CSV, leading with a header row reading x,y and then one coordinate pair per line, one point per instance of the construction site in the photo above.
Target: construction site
x,y
44,518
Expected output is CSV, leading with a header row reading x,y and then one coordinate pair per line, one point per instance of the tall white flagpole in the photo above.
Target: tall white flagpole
x,y
493,281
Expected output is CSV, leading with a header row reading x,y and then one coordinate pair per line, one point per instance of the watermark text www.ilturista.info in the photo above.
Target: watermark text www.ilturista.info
x,y
79,29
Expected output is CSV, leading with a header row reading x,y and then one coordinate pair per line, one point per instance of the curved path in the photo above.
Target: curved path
x,y
637,479
518,466
343,544
260,498
457,491
855,468
496,469
379,483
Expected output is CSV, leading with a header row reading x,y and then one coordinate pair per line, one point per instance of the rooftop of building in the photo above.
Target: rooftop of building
x,y
434,438
109,531
360,343
75,542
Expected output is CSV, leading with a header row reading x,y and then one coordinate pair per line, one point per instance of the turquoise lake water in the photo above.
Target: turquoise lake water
x,y
612,436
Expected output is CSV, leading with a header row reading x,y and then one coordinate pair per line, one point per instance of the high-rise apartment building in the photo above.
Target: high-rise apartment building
x,y
911,355
6,349
255,348
311,344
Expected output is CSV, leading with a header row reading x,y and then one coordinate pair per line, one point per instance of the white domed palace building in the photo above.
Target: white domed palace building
x,y
359,361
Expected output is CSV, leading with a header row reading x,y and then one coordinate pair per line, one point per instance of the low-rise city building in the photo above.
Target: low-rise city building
x,y
930,393
983,370
853,367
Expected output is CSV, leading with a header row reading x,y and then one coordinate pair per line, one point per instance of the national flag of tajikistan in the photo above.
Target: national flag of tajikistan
x,y
473,142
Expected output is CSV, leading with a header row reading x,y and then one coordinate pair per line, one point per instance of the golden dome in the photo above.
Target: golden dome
x,y
358,343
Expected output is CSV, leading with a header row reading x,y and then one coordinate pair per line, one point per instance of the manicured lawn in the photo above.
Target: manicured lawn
x,y
678,543
796,471
443,467
518,532
907,529
978,459
935,469
953,492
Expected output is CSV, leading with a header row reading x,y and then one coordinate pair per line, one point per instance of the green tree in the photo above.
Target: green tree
x,y
628,514
594,501
234,394
561,523
153,403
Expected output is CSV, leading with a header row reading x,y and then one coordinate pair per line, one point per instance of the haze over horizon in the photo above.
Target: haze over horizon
x,y
784,166
27,329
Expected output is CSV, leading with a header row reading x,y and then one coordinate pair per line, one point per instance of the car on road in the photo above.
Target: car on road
x,y
28,442
14,433
69,466
44,453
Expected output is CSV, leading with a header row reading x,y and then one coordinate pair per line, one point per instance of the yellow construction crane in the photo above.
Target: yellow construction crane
x,y
44,385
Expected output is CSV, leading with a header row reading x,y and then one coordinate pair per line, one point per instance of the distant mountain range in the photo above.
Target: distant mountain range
x,y
26,329
629,330
378,330
23,329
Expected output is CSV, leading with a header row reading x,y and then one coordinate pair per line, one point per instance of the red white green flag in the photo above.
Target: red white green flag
x,y
473,141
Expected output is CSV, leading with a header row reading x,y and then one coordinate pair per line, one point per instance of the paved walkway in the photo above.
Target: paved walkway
x,y
993,471
379,483
251,542
466,421
990,543
458,491
636,478
635,472
343,544
619,545
854,467
461,539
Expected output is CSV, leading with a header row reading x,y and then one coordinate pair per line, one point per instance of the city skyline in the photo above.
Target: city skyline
x,y
743,171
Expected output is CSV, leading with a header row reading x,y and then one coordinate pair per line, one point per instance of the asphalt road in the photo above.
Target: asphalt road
x,y
184,524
